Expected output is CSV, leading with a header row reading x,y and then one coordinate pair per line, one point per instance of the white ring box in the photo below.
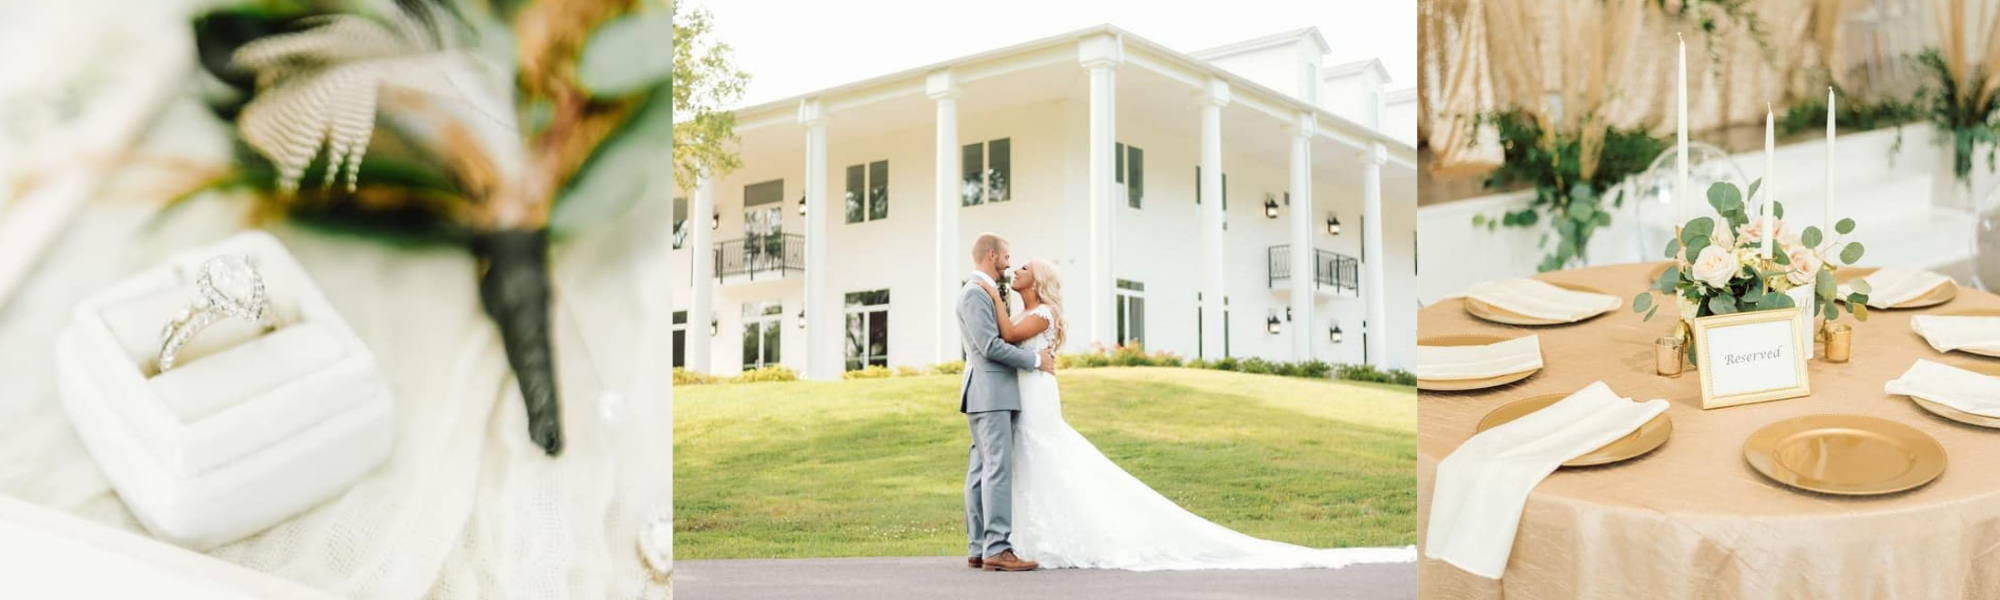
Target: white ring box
x,y
248,428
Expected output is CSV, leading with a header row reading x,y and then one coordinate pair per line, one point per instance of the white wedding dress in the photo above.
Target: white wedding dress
x,y
1074,508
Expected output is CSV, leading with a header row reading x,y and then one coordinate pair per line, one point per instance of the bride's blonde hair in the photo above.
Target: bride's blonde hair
x,y
1048,287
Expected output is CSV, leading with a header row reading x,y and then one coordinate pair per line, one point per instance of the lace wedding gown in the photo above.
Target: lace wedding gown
x,y
1074,508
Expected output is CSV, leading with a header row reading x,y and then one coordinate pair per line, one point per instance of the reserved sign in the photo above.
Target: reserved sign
x,y
1751,357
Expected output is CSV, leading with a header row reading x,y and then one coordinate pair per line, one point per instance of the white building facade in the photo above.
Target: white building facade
x,y
1171,192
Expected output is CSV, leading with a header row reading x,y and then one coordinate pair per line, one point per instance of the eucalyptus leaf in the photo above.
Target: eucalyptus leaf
x,y
1860,311
1781,258
1721,304
1844,227
1673,248
1851,253
1649,314
1642,302
1861,285
1754,185
1725,197
1823,284
621,169
628,54
1668,279
1857,298
1777,209
1812,236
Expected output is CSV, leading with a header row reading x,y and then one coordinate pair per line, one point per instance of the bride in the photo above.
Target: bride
x,y
1074,508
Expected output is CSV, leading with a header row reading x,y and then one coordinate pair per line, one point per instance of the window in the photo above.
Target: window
x,y
1225,194
988,171
764,225
1131,171
868,192
680,222
867,329
1201,334
680,338
1131,312
761,334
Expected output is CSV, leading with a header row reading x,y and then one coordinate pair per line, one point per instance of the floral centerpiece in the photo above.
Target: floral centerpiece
x,y
1721,270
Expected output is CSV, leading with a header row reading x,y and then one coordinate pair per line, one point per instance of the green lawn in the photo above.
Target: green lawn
x,y
877,467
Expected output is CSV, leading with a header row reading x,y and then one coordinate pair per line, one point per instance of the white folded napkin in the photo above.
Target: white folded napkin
x,y
1536,298
1948,333
1445,363
1951,386
1890,286
1483,485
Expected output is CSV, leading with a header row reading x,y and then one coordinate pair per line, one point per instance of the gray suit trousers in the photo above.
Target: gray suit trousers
x,y
989,477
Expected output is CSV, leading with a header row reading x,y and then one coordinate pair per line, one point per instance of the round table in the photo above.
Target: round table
x,y
1692,519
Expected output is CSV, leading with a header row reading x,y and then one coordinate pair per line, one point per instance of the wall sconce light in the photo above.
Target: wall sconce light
x,y
802,205
1333,223
1270,206
714,327
715,220
1288,314
1333,333
1271,323
802,319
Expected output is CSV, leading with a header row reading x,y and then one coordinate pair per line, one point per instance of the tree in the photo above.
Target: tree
x,y
704,83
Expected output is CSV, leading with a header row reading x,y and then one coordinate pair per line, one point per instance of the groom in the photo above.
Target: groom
x,y
991,401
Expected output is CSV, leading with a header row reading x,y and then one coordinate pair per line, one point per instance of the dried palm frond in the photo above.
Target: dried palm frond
x,y
319,88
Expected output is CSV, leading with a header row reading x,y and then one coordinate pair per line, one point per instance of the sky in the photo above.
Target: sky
x,y
790,47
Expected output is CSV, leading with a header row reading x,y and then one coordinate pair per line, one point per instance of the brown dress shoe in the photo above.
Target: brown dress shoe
x,y
1007,561
974,562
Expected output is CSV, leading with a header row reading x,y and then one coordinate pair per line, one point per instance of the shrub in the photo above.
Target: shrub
x,y
1083,360
685,377
1195,363
950,368
1131,355
1315,369
770,373
1254,366
908,371
1370,374
872,372
1226,363
1285,368
1166,359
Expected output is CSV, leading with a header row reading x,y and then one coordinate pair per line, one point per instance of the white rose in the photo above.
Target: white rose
x,y
1752,233
1688,306
1715,267
1805,264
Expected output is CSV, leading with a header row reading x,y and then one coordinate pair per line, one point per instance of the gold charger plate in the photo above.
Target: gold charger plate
x,y
1959,415
1460,385
1976,312
1847,455
1642,440
1938,295
1496,314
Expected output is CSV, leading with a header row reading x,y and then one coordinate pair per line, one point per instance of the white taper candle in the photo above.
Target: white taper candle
x,y
1681,197
1770,168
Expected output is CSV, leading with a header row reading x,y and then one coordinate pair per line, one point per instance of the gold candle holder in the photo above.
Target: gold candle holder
x,y
1669,356
1839,342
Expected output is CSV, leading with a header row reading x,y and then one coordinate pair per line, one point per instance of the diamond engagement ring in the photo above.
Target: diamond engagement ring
x,y
229,287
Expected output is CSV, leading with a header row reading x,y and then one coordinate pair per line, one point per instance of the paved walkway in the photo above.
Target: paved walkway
x,y
948,577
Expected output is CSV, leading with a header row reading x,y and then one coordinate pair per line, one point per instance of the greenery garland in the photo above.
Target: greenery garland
x,y
1573,205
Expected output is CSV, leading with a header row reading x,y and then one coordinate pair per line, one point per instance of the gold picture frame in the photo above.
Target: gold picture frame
x,y
1794,386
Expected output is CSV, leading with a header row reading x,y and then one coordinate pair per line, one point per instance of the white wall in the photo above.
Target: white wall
x,y
1155,245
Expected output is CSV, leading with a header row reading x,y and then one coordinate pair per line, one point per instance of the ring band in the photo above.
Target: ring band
x,y
229,288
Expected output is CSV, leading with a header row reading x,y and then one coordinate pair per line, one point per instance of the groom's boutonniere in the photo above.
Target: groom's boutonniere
x,y
1006,286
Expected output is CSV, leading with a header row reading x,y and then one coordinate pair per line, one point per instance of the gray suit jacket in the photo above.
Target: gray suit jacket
x,y
990,362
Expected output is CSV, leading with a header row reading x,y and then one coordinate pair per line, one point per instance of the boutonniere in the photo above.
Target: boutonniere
x,y
1006,286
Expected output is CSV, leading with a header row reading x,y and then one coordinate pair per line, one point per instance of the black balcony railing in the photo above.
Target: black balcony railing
x,y
1338,273
772,256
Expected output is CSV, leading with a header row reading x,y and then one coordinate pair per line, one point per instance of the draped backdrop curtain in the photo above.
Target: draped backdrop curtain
x,y
1579,66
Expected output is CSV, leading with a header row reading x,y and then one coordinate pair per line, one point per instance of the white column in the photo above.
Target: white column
x,y
1371,272
823,361
952,262
1211,99
1302,326
1101,55
701,259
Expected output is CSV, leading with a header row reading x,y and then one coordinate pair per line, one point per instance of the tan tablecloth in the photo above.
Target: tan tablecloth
x,y
1692,519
